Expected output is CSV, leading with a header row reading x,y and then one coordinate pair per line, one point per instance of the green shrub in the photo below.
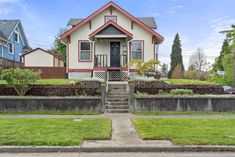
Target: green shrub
x,y
181,92
20,79
140,93
162,92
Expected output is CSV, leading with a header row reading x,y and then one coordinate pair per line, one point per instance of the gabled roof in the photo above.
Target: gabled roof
x,y
149,21
110,23
2,37
49,52
159,38
7,26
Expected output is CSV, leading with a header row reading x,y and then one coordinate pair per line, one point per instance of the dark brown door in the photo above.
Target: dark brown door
x,y
115,54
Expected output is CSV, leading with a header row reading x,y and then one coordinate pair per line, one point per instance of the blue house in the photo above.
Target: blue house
x,y
13,42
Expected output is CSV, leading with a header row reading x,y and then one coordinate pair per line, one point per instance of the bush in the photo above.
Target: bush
x,y
181,92
162,92
178,72
20,79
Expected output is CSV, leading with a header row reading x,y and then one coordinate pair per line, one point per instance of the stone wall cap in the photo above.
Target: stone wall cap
x,y
186,96
52,97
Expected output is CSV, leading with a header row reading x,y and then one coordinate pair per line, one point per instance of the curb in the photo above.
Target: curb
x,y
50,149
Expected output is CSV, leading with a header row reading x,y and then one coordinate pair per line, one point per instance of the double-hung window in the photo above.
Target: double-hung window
x,y
137,50
85,51
10,48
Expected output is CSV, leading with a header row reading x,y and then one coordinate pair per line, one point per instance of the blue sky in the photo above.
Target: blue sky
x,y
197,21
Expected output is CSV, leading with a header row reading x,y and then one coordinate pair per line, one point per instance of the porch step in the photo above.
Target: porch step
x,y
124,96
117,103
117,110
117,107
117,93
115,99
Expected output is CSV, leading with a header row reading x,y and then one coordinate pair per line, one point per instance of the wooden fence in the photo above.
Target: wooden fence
x,y
50,72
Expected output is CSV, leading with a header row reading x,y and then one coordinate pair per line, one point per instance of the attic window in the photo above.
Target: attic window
x,y
110,18
16,37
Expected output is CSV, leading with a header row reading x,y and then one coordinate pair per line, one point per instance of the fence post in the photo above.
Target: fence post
x,y
103,96
131,97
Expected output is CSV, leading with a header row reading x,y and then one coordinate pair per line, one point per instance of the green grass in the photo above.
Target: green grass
x,y
53,132
187,82
184,113
198,131
53,113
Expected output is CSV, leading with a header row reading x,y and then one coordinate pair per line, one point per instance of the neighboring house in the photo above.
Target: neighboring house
x,y
13,42
42,58
106,41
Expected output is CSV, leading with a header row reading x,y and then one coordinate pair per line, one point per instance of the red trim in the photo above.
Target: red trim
x,y
80,70
142,41
132,70
112,4
113,24
79,41
110,68
110,16
55,55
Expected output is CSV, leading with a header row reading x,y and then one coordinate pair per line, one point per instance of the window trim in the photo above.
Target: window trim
x,y
142,44
79,51
18,37
12,53
110,16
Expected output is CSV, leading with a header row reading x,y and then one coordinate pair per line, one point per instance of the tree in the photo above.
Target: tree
x,y
218,65
20,79
176,56
198,61
164,70
58,46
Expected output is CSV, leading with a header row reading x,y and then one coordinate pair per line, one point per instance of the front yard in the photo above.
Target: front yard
x,y
198,131
53,132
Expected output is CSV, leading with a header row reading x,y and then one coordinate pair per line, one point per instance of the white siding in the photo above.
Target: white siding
x,y
38,58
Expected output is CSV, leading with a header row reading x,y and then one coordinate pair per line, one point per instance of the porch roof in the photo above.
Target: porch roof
x,y
110,29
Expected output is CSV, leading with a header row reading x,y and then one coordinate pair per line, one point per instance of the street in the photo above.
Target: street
x,y
216,154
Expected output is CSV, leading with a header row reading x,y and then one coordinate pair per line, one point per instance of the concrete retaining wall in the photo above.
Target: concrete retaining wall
x,y
215,103
33,104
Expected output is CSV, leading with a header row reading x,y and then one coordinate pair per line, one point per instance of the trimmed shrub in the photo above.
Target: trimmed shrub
x,y
181,92
20,79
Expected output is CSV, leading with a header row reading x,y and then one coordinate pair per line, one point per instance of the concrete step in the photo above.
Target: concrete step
x,y
117,103
117,93
117,110
117,96
117,90
116,87
117,107
116,99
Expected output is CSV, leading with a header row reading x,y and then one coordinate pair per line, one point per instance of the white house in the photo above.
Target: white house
x,y
105,42
42,58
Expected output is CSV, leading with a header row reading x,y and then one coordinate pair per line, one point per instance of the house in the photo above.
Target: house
x,y
13,42
103,44
42,58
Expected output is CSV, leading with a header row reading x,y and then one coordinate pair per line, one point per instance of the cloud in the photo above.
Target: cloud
x,y
4,11
7,1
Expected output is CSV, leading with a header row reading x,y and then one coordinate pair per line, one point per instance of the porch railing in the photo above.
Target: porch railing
x,y
101,60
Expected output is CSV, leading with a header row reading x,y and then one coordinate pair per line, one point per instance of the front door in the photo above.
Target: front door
x,y
115,54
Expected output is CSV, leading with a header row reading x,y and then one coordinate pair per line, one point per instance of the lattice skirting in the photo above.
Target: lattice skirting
x,y
111,75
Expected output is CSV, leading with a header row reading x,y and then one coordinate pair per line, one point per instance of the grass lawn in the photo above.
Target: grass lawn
x,y
183,113
53,113
199,131
186,82
53,132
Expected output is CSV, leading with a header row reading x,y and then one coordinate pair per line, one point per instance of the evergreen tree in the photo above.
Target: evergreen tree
x,y
176,55
58,46
164,70
218,65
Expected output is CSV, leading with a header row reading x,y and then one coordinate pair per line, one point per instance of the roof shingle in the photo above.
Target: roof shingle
x,y
7,26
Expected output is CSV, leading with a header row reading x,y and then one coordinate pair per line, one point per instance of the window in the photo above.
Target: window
x,y
110,18
137,50
10,48
85,50
16,37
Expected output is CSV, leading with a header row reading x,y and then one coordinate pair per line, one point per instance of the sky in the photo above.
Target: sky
x,y
198,22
